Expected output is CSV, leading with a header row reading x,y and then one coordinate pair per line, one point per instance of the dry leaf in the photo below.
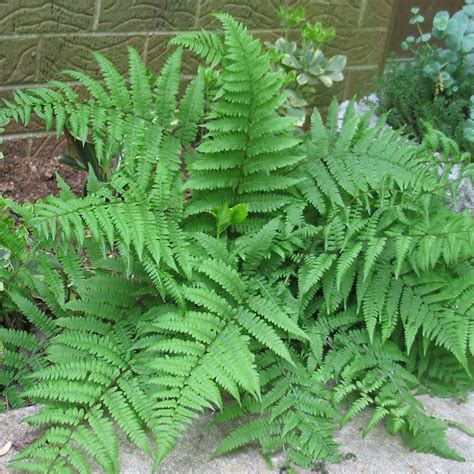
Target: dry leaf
x,y
5,449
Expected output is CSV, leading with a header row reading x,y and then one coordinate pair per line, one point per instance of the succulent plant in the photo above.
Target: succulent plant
x,y
303,61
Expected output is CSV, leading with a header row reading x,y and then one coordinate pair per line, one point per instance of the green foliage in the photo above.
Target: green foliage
x,y
82,157
226,216
1,141
296,413
437,85
374,374
293,282
303,62
246,139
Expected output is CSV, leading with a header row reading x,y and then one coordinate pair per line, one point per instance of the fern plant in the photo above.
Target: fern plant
x,y
306,277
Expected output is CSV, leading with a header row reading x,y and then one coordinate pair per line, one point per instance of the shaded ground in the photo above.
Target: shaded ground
x,y
29,168
376,454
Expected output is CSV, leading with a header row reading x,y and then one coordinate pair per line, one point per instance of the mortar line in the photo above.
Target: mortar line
x,y
96,17
380,29
198,14
23,135
38,58
362,12
29,85
145,49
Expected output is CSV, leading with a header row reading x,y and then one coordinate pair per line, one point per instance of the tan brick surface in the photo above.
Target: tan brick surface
x,y
377,13
39,38
40,16
18,58
75,52
362,47
147,15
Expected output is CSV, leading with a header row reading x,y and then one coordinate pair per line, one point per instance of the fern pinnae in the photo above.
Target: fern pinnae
x,y
115,82
347,286
206,44
191,109
167,86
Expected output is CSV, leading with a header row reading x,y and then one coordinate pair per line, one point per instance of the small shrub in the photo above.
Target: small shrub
x,y
437,84
306,277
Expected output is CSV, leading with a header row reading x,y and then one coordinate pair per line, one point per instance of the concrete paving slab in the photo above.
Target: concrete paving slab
x,y
377,453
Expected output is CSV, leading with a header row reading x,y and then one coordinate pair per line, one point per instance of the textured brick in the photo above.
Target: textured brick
x,y
324,95
255,14
263,14
75,52
360,82
17,60
143,15
124,19
361,47
35,125
340,14
39,16
377,13
158,52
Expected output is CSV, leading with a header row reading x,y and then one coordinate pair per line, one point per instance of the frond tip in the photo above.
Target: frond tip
x,y
228,261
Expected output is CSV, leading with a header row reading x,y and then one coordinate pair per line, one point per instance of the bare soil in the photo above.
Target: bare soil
x,y
29,168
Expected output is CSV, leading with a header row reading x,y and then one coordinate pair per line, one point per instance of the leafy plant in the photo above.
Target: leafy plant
x,y
226,216
438,86
305,276
1,141
82,157
303,62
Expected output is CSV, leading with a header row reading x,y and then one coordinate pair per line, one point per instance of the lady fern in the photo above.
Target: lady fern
x,y
238,162
348,285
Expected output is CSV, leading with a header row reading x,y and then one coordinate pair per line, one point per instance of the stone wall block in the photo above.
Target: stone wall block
x,y
362,47
18,60
40,16
146,15
75,52
377,13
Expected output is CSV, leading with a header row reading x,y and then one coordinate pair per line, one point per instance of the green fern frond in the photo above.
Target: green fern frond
x,y
206,44
338,279
295,414
191,109
248,99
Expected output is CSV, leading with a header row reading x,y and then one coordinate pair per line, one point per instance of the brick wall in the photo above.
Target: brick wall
x,y
39,38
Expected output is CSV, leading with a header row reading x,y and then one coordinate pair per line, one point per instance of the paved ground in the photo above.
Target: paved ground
x,y
378,453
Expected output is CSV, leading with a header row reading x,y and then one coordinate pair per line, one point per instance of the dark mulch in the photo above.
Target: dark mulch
x,y
30,166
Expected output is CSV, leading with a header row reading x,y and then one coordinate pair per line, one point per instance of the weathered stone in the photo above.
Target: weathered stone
x,y
17,60
379,452
377,13
342,14
261,14
142,15
75,52
362,47
40,16
158,52
360,82
324,95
